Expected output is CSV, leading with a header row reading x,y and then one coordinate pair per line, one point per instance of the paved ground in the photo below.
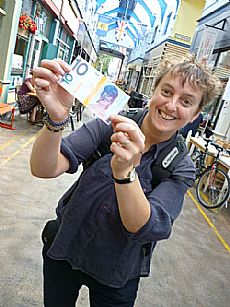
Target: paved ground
x,y
192,268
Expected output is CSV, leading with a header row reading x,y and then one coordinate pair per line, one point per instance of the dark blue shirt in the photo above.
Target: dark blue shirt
x,y
91,235
192,126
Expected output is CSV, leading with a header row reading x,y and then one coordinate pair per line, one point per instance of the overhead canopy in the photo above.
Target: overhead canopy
x,y
129,18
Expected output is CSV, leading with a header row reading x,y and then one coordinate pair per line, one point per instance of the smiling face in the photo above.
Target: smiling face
x,y
173,105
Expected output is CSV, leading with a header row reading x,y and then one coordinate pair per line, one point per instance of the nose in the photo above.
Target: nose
x,y
171,104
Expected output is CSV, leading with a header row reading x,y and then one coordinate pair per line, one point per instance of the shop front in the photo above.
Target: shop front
x,y
217,22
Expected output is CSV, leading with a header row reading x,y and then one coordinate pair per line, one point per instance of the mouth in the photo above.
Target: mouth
x,y
165,116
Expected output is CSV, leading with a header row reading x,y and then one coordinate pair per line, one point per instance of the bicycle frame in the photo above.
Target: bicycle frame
x,y
200,160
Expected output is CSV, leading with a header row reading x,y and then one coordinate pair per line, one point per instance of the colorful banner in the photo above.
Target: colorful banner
x,y
120,32
103,25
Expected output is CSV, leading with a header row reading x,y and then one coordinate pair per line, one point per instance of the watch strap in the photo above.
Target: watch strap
x,y
121,181
130,178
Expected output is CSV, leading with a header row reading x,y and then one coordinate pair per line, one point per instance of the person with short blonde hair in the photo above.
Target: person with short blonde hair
x,y
109,222
192,71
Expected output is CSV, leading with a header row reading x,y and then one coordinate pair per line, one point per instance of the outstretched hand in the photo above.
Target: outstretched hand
x,y
128,143
55,99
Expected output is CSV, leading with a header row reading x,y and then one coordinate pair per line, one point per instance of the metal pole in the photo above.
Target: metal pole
x,y
126,10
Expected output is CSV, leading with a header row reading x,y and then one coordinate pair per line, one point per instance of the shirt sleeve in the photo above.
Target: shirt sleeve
x,y
166,202
79,145
185,168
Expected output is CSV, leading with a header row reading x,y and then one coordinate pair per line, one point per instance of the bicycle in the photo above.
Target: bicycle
x,y
213,186
199,157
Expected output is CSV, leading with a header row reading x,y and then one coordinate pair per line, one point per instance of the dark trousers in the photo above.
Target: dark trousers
x,y
62,285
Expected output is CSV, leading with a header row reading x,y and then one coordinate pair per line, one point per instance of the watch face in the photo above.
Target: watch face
x,y
132,175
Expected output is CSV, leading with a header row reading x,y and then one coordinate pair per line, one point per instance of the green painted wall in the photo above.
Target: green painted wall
x,y
9,27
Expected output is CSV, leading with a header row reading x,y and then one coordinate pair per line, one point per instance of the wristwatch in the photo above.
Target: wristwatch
x,y
130,178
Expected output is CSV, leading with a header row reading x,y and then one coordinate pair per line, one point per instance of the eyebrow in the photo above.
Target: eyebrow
x,y
186,94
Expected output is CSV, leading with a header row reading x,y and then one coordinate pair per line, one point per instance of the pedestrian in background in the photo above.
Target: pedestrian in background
x,y
106,218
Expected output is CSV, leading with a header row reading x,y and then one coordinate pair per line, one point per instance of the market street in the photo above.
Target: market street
x,y
192,268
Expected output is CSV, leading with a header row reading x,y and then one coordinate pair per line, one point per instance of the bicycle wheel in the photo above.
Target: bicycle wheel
x,y
213,188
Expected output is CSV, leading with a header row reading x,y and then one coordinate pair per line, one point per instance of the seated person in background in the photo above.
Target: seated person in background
x,y
28,87
192,126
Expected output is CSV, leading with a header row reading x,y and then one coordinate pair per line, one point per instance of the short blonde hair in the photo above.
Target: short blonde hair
x,y
196,73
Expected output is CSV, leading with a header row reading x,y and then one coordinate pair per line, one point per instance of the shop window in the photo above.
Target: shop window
x,y
27,6
63,51
63,42
224,60
64,36
220,60
43,20
20,45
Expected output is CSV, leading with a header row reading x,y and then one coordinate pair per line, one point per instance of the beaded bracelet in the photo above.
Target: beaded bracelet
x,y
64,123
54,126
54,130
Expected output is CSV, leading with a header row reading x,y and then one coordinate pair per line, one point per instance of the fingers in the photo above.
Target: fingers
x,y
124,147
58,66
127,128
50,71
128,155
128,141
40,84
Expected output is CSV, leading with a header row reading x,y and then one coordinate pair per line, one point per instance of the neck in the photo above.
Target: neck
x,y
153,136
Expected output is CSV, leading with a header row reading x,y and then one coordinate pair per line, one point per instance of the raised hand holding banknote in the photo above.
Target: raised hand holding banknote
x,y
55,99
128,144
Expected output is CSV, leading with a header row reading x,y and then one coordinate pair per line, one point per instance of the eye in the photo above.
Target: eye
x,y
186,102
166,92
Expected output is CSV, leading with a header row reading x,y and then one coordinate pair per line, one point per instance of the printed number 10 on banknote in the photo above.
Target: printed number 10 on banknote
x,y
83,81
93,90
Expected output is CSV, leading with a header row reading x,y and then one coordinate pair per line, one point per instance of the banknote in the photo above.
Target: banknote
x,y
101,96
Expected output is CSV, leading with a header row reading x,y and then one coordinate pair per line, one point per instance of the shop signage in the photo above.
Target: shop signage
x,y
103,25
207,44
183,37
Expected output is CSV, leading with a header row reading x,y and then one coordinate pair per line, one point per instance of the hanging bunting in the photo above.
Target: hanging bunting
x,y
120,31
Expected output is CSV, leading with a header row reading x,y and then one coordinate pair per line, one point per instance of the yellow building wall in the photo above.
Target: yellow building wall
x,y
186,21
